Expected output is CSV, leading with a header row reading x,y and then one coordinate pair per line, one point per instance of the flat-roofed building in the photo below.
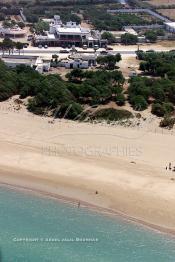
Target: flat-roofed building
x,y
68,35
38,63
90,58
15,32
72,64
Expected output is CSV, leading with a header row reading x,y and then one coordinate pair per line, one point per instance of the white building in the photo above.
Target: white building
x,y
68,35
35,62
73,64
15,32
90,58
170,27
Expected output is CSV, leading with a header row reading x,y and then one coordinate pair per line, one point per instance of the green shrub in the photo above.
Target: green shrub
x,y
71,111
167,122
139,103
162,109
112,114
158,110
120,100
129,39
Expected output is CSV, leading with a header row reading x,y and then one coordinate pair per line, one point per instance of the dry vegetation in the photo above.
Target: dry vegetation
x,y
168,12
161,2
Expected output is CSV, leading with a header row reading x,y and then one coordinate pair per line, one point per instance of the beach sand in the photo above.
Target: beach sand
x,y
126,166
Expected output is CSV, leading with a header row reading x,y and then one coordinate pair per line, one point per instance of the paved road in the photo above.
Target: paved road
x,y
47,51
50,51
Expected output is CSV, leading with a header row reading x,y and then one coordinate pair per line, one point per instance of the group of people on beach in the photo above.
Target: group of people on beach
x,y
170,167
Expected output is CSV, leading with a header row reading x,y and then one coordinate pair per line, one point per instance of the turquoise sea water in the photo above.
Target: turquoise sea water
x,y
27,222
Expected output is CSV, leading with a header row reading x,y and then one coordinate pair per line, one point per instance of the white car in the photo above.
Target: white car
x,y
96,47
84,47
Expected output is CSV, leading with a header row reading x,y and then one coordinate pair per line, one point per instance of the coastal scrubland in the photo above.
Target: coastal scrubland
x,y
154,88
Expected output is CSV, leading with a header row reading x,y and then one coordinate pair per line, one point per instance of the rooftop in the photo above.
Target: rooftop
x,y
15,31
171,24
18,61
74,30
51,36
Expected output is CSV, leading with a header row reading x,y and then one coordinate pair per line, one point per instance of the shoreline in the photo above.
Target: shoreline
x,y
89,206
104,211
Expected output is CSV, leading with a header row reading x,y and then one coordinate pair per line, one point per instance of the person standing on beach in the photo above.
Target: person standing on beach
x,y
170,166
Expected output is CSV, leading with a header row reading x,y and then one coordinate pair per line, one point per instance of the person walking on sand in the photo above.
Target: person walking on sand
x,y
78,204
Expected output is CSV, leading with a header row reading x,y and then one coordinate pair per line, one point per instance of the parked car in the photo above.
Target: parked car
x,y
132,73
64,51
29,37
46,46
40,46
84,47
109,48
73,50
96,47
26,45
103,53
150,51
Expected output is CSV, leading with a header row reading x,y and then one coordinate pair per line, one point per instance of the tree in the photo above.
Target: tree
x,y
75,75
120,99
70,110
139,103
2,48
143,66
19,46
21,25
109,36
8,45
32,18
41,26
158,110
2,17
6,24
160,32
75,18
168,107
139,86
151,36
109,61
129,39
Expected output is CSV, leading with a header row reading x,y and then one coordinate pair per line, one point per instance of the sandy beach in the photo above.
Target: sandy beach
x,y
118,168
